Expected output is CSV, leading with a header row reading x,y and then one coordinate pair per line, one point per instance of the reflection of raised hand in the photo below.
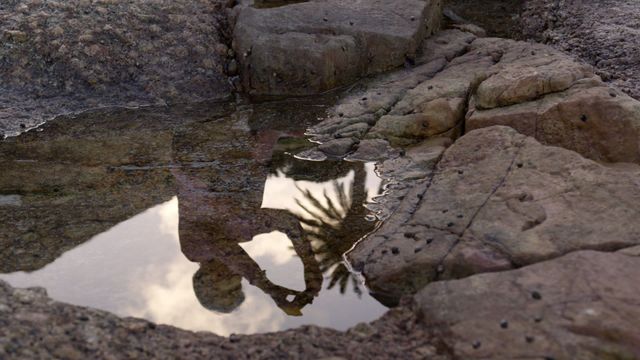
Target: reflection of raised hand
x,y
212,224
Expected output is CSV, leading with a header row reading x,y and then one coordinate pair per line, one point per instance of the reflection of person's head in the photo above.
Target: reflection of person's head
x,y
217,288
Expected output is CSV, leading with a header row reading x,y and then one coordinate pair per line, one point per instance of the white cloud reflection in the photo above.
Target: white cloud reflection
x,y
137,269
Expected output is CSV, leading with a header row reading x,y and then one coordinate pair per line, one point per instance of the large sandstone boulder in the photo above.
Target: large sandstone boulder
x,y
311,47
499,200
581,306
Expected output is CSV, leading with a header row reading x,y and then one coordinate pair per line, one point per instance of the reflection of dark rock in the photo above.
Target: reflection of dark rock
x,y
77,179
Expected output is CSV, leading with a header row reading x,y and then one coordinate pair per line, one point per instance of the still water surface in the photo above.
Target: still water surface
x,y
187,225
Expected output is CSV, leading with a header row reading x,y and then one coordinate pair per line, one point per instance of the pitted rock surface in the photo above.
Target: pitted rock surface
x,y
469,83
604,33
499,200
34,326
315,46
581,306
68,56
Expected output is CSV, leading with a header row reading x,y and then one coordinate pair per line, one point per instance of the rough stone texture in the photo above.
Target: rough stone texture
x,y
394,94
591,118
581,306
499,200
67,56
533,88
604,33
34,326
311,47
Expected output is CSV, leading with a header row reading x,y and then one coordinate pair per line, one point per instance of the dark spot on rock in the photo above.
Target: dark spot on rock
x,y
476,344
504,324
417,250
23,126
152,325
364,99
429,241
460,172
340,114
234,338
325,19
395,250
403,152
536,295
583,118
529,338
430,87
519,165
83,317
413,18
450,224
538,318
460,216
384,252
612,94
533,53
410,235
351,23
445,211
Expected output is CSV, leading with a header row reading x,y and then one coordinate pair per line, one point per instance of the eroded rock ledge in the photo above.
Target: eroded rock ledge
x,y
499,200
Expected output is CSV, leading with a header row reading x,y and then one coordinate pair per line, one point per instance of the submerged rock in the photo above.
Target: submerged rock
x,y
580,306
499,200
314,46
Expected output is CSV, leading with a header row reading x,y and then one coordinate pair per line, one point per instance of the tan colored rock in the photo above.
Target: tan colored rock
x,y
499,200
598,122
526,72
580,306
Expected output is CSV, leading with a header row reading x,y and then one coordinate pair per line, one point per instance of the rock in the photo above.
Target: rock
x,y
43,327
314,46
499,200
71,56
632,251
596,121
587,309
607,39
373,150
526,72
338,147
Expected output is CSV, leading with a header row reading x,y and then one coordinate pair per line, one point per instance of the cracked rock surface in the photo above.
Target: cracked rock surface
x,y
499,200
310,47
580,306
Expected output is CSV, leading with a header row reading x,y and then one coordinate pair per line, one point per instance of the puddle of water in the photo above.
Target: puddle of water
x,y
200,219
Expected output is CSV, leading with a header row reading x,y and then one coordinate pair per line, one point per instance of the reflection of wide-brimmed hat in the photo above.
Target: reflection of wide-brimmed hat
x,y
217,288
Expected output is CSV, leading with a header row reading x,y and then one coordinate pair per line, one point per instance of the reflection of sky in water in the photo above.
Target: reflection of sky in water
x,y
136,269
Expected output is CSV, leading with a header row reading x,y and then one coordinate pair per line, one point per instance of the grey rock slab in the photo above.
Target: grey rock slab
x,y
580,306
315,46
499,200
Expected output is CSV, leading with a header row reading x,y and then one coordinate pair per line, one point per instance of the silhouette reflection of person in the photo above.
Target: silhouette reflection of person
x,y
219,209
